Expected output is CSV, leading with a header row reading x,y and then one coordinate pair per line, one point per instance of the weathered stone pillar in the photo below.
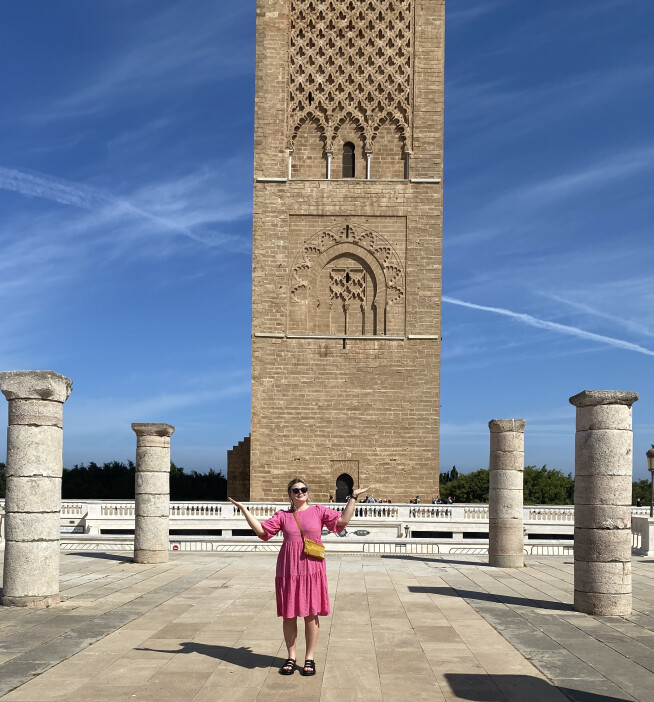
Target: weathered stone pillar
x,y
507,464
152,492
33,494
603,475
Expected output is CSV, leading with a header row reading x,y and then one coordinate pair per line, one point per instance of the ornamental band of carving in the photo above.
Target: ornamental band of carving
x,y
351,61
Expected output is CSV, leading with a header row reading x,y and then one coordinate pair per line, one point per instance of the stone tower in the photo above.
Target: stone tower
x,y
347,247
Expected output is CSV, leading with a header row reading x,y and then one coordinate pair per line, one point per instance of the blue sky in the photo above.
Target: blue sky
x,y
125,218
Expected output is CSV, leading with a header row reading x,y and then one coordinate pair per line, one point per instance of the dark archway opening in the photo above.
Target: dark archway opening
x,y
348,160
344,486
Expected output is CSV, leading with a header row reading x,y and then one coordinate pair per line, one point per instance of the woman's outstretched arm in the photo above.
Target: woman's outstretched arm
x,y
254,523
347,513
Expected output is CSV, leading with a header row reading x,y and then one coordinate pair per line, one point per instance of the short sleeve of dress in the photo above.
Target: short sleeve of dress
x,y
329,519
271,526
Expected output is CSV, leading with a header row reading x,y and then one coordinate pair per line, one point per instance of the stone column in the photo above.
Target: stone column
x,y
603,475
507,464
33,496
152,492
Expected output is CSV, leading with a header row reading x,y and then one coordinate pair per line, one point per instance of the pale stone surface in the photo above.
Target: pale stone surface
x,y
603,471
602,516
35,385
30,450
152,483
151,533
509,425
148,556
152,505
506,461
604,452
610,578
602,545
602,490
506,532
41,412
152,486
31,569
604,417
33,527
603,604
590,398
507,479
33,497
507,441
150,461
645,527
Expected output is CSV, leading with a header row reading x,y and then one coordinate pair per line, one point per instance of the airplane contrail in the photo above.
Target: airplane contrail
x,y
553,326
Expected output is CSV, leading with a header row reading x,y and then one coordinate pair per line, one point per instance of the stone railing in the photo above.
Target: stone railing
x,y
375,519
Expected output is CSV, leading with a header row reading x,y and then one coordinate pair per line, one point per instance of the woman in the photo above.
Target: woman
x,y
301,580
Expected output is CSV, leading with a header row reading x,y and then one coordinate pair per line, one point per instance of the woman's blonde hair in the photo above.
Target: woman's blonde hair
x,y
293,482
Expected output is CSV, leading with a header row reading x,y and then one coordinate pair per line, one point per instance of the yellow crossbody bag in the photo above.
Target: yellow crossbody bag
x,y
311,548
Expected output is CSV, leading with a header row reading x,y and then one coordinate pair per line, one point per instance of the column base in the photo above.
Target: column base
x,y
517,561
142,556
602,604
34,602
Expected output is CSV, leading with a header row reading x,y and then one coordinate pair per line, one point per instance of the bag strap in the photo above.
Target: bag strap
x,y
298,524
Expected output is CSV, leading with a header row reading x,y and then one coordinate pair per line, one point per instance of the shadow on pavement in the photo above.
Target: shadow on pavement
x,y
243,657
499,688
101,554
489,597
433,557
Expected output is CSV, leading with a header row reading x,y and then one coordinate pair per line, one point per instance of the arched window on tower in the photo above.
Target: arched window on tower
x,y
348,160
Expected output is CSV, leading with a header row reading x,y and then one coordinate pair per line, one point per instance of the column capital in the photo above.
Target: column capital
x,y
592,398
153,429
35,385
501,425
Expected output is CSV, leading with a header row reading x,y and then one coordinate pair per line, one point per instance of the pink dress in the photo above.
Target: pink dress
x,y
301,581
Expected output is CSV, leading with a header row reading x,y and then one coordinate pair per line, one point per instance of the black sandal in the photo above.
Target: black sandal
x,y
288,668
311,665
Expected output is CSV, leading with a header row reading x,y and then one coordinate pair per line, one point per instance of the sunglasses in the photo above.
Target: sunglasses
x,y
297,491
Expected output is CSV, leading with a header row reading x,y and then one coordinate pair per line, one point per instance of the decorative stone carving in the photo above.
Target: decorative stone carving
x,y
351,62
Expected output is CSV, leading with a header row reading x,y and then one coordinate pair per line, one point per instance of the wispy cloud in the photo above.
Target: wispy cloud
x,y
470,12
592,311
531,321
95,200
181,47
600,173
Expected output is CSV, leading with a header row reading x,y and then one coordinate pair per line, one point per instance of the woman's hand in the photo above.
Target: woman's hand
x,y
356,493
236,504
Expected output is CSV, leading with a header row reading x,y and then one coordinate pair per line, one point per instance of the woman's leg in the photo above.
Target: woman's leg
x,y
290,635
311,631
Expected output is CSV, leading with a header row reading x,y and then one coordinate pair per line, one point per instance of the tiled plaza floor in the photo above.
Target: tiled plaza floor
x,y
202,628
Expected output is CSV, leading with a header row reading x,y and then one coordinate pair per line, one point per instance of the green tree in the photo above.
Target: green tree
x,y
467,487
547,486
641,489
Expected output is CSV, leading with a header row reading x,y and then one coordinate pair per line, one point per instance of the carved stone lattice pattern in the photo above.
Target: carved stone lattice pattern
x,y
347,285
365,239
351,60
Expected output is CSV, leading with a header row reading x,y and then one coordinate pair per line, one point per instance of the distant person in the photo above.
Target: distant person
x,y
639,502
417,501
434,502
331,498
301,579
450,500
